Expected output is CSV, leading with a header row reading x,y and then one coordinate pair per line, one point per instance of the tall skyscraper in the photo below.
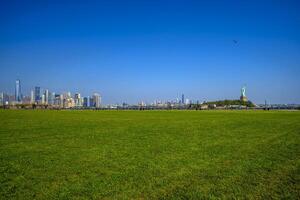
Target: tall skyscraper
x,y
77,96
86,102
182,99
32,100
37,94
46,93
56,99
96,100
91,102
1,99
78,100
51,98
43,99
18,96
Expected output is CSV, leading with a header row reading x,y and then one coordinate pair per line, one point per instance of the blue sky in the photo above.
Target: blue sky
x,y
130,51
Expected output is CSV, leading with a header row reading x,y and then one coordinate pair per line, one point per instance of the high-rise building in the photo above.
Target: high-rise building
x,y
51,98
86,102
37,94
77,100
1,99
91,102
187,101
96,100
5,98
18,96
43,99
77,96
182,98
32,99
56,100
46,93
61,100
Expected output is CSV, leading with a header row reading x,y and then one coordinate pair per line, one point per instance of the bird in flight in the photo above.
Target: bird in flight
x,y
235,41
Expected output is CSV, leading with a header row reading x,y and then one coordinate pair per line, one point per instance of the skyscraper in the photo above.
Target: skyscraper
x,y
43,99
1,99
78,100
18,96
46,93
182,99
91,102
56,99
51,98
96,100
5,99
32,100
86,102
77,96
37,94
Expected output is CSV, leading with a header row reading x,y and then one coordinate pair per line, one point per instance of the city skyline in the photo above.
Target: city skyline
x,y
142,51
42,96
36,94
44,99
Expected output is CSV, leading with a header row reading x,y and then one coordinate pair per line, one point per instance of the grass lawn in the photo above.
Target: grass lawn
x,y
149,154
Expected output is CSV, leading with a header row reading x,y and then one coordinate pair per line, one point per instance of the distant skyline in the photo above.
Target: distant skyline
x,y
132,51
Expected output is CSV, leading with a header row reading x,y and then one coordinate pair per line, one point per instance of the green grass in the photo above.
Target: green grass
x,y
149,154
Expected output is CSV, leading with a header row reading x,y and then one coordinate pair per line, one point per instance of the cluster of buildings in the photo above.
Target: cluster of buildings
x,y
178,101
45,99
40,97
160,103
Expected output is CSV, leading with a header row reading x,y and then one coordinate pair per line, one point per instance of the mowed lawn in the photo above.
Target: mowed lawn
x,y
149,154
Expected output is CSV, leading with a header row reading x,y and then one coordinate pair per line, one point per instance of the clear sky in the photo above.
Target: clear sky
x,y
146,50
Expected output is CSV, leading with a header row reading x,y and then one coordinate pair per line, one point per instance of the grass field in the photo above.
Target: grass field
x,y
149,154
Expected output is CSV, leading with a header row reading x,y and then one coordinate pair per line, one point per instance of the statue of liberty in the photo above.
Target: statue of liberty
x,y
243,94
243,91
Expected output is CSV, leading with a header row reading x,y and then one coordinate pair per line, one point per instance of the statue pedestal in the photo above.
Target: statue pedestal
x,y
243,98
